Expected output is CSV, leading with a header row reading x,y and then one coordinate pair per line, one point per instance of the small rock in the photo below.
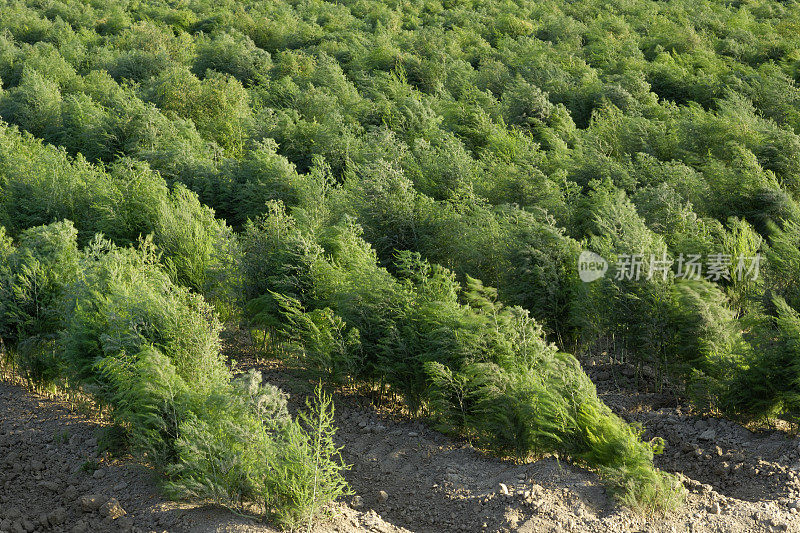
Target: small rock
x,y
49,485
358,501
112,509
70,492
99,473
453,477
57,517
504,489
692,484
413,434
714,508
708,434
91,502
382,496
120,486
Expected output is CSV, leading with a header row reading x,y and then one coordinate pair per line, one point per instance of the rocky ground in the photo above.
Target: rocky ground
x,y
405,476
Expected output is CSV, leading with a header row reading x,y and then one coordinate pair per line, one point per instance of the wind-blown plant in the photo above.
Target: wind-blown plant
x,y
471,136
482,369
766,384
304,471
118,327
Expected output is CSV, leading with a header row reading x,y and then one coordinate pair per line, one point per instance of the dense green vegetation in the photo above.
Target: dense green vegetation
x,y
110,320
402,191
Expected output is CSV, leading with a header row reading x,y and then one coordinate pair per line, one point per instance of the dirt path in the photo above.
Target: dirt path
x,y
405,475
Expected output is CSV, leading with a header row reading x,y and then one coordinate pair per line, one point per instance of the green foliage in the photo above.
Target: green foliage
x,y
234,54
260,177
149,400
708,340
632,308
275,255
745,248
323,343
124,301
34,278
546,404
304,470
110,320
42,184
783,257
481,368
357,146
225,440
766,384
217,105
33,104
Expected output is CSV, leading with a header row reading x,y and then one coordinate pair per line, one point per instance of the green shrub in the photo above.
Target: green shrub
x,y
110,320
261,176
783,261
765,385
128,201
276,255
324,345
483,369
234,54
124,301
217,105
631,306
149,401
708,340
225,441
34,104
34,278
540,401
304,470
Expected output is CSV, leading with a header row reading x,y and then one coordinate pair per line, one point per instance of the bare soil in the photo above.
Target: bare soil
x,y
405,475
